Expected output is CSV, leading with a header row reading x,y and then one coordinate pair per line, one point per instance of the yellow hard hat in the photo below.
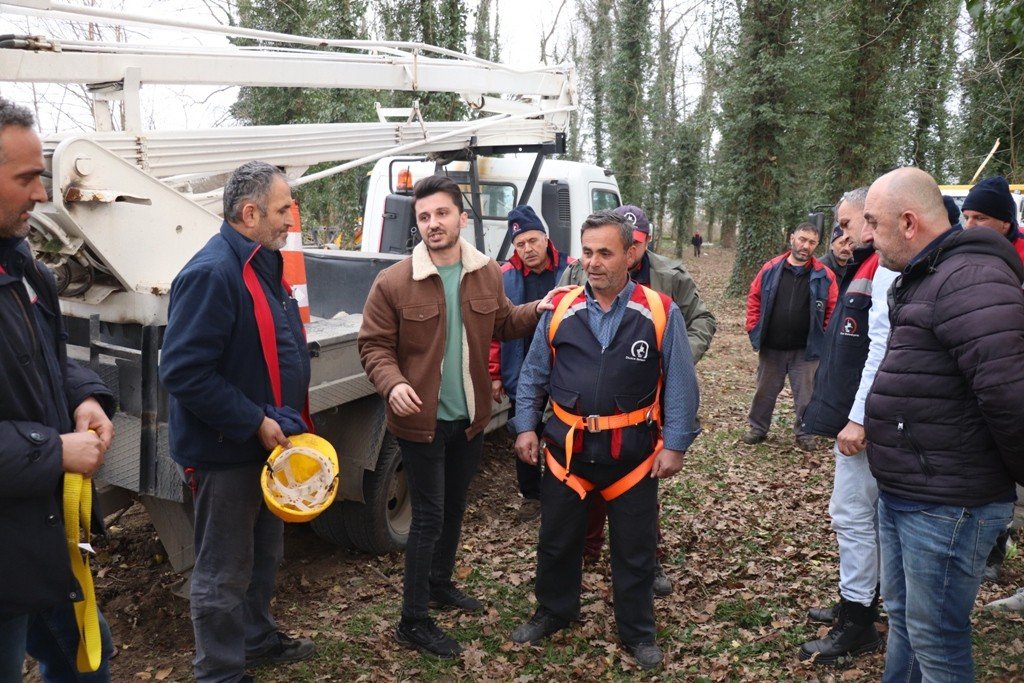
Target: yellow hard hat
x,y
300,482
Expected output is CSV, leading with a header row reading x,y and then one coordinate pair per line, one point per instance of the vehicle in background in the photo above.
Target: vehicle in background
x,y
562,193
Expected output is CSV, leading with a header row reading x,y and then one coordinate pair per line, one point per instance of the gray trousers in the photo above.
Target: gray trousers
x,y
772,368
239,544
854,512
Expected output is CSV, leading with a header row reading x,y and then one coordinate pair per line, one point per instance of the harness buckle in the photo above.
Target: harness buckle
x,y
650,415
592,423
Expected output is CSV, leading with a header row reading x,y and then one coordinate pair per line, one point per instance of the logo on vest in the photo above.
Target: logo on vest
x,y
638,351
849,327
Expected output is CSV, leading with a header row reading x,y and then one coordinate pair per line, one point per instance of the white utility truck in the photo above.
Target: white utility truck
x,y
128,208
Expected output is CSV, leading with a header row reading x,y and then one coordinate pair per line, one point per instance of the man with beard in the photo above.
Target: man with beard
x,y
234,397
427,328
788,307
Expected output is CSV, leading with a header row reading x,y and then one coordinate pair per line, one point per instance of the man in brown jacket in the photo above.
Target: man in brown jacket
x,y
427,328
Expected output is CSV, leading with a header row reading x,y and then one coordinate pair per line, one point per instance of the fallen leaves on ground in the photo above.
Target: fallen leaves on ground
x,y
748,544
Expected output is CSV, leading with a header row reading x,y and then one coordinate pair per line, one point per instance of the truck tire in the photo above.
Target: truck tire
x,y
330,525
381,524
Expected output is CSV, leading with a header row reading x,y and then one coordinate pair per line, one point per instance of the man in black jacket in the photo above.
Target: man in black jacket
x,y
945,438
48,405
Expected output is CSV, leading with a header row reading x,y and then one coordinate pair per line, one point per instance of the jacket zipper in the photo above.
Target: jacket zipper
x,y
904,432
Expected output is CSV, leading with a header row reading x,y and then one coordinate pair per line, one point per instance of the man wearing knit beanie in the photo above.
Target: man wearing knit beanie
x,y
532,271
989,204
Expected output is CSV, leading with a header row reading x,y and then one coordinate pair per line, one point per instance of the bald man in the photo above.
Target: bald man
x,y
945,438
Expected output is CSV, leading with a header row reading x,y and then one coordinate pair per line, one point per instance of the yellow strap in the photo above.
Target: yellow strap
x,y
77,524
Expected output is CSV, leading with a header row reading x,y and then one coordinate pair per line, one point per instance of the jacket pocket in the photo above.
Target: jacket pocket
x,y
419,331
566,398
635,442
483,306
908,441
853,325
421,313
556,430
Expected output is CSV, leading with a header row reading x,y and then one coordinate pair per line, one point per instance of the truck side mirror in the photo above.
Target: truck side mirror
x,y
398,233
817,219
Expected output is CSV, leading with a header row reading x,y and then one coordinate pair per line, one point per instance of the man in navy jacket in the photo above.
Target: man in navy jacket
x,y
234,399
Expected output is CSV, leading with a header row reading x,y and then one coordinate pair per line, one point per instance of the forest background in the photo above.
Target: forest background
x,y
735,118
732,117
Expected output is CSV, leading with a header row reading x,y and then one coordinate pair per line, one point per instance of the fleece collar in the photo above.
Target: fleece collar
x,y
423,267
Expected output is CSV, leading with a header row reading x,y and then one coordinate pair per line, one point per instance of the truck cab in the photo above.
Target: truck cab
x,y
564,194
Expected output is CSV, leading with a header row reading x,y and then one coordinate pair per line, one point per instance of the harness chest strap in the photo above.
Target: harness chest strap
x,y
78,524
599,423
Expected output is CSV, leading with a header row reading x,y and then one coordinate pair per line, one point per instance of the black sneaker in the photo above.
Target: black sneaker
x,y
425,636
541,625
446,597
287,650
647,655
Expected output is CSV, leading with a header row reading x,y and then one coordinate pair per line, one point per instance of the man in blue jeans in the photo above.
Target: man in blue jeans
x,y
48,405
945,438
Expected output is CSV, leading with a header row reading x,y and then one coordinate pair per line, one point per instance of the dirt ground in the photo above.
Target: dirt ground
x,y
746,532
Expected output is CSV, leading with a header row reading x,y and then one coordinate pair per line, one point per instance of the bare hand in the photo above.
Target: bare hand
x,y
404,401
852,439
666,463
545,303
89,415
497,390
82,452
526,447
271,436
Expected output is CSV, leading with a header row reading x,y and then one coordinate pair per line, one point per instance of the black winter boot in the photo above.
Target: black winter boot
x,y
853,634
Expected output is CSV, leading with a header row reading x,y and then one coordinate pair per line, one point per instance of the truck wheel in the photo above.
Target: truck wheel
x,y
381,524
330,525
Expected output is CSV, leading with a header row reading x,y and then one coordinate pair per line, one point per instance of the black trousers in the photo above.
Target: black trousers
x,y
633,538
438,474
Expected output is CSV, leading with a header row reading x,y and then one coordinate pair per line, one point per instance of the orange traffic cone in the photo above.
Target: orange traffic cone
x,y
295,264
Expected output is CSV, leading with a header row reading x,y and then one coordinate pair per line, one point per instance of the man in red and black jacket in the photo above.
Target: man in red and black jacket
x,y
529,275
788,308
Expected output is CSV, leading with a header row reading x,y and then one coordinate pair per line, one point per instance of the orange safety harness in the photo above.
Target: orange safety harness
x,y
600,423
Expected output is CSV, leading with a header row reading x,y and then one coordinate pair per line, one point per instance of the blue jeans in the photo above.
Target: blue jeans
x,y
933,559
51,638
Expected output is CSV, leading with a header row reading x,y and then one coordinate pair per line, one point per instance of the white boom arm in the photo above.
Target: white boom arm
x,y
129,208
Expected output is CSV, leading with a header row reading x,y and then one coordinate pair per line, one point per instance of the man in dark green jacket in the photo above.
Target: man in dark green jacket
x,y
668,277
